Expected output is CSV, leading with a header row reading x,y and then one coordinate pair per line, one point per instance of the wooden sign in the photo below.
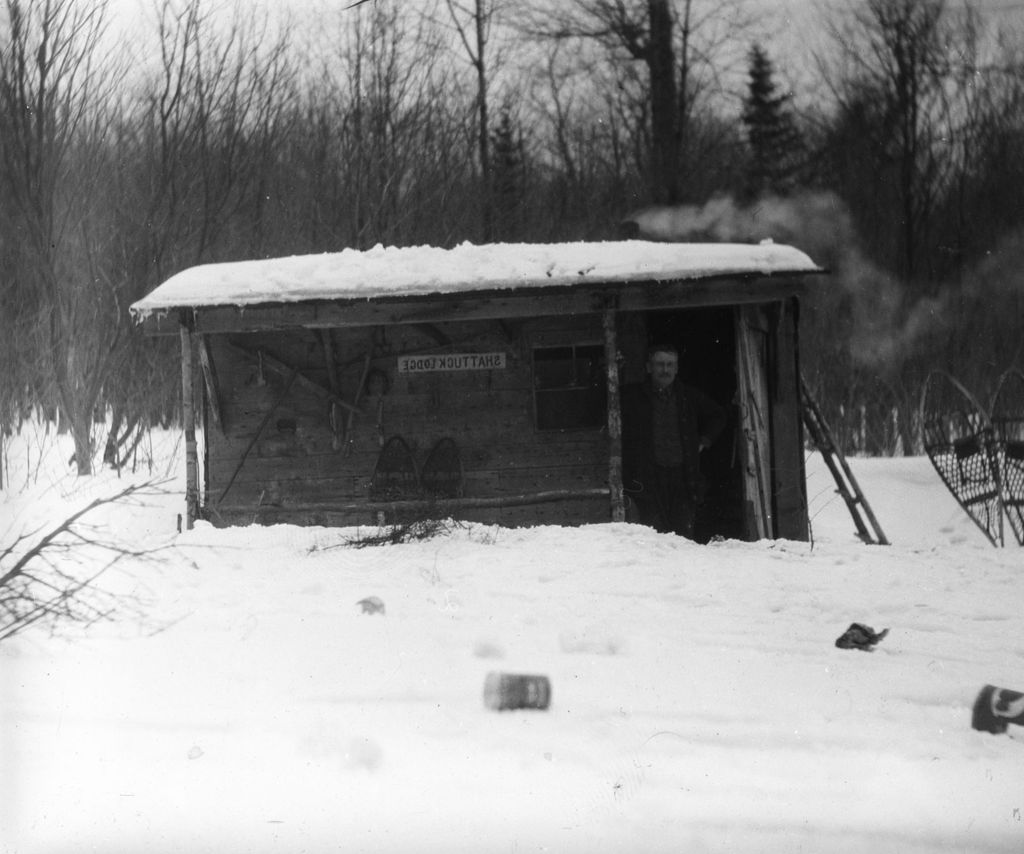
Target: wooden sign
x,y
451,362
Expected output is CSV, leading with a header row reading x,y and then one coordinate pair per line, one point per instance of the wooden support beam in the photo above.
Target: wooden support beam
x,y
332,368
210,380
753,400
431,331
511,329
286,371
189,418
611,358
446,505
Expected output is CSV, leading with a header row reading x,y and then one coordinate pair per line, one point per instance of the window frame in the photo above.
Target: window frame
x,y
599,390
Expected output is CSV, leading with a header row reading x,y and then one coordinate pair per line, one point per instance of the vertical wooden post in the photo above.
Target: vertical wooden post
x,y
751,357
611,358
189,419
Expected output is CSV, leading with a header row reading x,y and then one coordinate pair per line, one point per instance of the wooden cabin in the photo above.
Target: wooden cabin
x,y
480,382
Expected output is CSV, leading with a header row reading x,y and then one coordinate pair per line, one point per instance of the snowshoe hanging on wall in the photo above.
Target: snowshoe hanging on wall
x,y
959,441
1008,429
441,476
395,475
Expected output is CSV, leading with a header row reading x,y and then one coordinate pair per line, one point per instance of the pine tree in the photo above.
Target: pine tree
x,y
776,148
507,176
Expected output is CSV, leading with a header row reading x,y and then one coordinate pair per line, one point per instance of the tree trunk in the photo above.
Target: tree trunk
x,y
81,432
664,118
485,152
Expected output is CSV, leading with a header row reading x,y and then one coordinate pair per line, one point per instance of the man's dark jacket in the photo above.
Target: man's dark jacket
x,y
699,417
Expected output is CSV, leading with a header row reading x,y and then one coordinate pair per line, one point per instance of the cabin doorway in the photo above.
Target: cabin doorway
x,y
706,340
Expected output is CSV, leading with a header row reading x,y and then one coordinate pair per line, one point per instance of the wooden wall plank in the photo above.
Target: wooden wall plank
x,y
296,458
572,512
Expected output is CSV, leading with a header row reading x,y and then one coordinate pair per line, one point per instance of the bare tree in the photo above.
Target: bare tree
x,y
385,110
194,147
892,71
381,143
57,104
682,44
212,120
987,128
589,140
111,194
473,24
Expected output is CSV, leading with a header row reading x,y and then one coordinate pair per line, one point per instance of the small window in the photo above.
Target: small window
x,y
570,389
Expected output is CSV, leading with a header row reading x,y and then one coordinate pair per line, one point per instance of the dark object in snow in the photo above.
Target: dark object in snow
x,y
371,605
959,440
859,636
995,708
516,691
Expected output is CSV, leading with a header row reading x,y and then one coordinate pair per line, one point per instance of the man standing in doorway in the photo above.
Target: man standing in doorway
x,y
665,426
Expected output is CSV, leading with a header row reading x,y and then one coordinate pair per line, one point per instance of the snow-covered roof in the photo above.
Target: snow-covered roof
x,y
386,272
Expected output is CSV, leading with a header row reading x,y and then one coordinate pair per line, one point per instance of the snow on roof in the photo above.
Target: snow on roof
x,y
423,270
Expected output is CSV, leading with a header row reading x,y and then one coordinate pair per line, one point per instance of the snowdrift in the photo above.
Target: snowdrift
x,y
698,700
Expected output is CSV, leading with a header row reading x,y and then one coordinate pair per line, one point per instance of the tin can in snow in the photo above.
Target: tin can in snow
x,y
996,708
516,691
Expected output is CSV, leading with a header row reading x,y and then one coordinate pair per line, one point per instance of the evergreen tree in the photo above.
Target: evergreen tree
x,y
776,148
507,177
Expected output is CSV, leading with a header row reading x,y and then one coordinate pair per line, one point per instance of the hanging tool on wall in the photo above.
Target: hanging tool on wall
x,y
355,399
333,410
259,430
278,367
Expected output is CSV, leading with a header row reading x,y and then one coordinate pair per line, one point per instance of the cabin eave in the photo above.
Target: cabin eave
x,y
492,304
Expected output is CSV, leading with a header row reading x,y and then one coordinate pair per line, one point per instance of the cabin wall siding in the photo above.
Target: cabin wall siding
x,y
290,454
310,455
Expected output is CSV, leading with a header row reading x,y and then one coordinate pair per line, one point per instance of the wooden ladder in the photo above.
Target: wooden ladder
x,y
847,484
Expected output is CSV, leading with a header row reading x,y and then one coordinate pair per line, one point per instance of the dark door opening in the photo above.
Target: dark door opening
x,y
706,339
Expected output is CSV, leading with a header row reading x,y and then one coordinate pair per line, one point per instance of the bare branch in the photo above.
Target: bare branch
x,y
41,584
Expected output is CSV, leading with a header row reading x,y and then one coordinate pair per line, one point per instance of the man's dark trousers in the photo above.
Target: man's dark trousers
x,y
667,505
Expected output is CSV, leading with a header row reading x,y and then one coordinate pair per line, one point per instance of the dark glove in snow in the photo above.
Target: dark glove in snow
x,y
859,636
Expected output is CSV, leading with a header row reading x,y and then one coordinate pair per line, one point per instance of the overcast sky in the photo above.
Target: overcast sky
x,y
788,14
792,29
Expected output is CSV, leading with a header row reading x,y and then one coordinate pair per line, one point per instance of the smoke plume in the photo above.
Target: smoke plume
x,y
885,326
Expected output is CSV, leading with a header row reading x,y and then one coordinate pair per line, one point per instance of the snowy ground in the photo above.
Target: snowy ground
x,y
699,703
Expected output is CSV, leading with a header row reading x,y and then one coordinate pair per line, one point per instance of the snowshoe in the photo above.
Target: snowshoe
x,y
959,440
